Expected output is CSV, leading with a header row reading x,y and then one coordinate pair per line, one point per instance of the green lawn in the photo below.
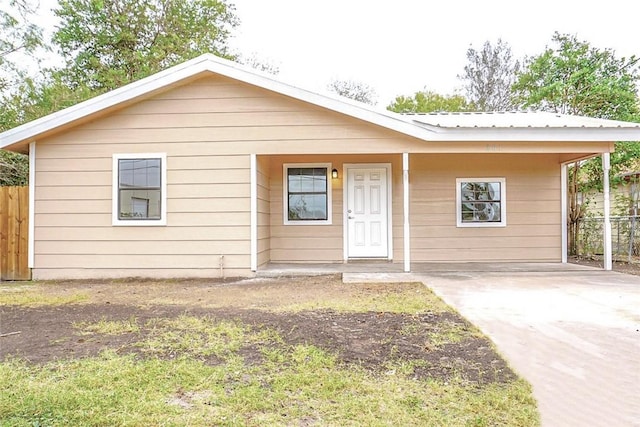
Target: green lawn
x,y
196,371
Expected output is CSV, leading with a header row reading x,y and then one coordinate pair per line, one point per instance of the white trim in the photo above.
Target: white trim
x,y
529,134
581,158
503,203
604,131
345,202
405,213
345,215
204,64
513,119
32,206
606,166
163,190
563,212
285,194
389,210
254,213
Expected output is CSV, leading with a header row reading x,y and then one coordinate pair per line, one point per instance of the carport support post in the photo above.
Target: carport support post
x,y
606,166
405,212
563,210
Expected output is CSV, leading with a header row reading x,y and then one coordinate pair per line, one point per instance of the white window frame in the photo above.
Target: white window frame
x,y
285,194
503,203
115,220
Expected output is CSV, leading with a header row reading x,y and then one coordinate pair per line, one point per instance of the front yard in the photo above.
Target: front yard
x,y
291,351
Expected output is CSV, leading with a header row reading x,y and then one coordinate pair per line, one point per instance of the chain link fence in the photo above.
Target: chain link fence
x,y
625,236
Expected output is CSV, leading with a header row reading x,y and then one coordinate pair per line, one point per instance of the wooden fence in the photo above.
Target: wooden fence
x,y
14,233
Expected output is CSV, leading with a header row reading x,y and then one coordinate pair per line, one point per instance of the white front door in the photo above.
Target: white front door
x,y
367,212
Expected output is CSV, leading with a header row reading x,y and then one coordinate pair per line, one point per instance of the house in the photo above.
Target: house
x,y
210,167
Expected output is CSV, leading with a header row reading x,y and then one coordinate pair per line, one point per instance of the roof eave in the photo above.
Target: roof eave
x,y
563,134
102,102
202,64
17,137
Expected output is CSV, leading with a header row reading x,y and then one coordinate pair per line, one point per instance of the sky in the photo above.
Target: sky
x,y
403,46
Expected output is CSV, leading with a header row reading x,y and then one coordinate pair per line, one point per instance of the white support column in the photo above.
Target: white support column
x,y
254,212
606,166
563,210
32,206
405,213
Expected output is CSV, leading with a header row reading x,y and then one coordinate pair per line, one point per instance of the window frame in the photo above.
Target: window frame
x,y
503,202
115,197
285,194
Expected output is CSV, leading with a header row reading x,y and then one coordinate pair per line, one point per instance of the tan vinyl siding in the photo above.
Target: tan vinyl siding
x,y
105,234
285,145
116,273
208,129
241,118
208,217
324,242
533,209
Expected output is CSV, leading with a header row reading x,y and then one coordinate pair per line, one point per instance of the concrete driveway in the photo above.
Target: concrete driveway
x,y
572,332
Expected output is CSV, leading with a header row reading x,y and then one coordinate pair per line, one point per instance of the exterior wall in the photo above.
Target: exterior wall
x,y
208,217
324,243
209,127
208,191
533,210
533,231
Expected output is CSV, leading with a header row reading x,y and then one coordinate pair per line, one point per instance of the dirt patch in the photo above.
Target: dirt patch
x,y
374,340
619,266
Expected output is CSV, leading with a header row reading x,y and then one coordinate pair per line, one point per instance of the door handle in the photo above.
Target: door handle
x,y
349,214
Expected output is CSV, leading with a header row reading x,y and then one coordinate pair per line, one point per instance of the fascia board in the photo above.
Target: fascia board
x,y
380,117
104,101
191,68
348,107
540,134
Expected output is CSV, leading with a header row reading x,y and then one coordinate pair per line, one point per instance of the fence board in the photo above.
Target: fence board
x,y
14,233
625,237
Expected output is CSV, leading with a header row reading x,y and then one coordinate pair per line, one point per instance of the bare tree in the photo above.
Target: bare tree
x,y
489,75
354,90
259,64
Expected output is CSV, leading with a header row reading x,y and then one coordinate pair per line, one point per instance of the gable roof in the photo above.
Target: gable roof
x,y
428,127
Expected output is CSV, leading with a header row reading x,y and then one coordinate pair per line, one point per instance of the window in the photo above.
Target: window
x,y
481,202
307,193
139,189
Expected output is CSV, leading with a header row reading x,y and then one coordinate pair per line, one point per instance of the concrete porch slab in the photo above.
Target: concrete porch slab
x,y
280,270
378,270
